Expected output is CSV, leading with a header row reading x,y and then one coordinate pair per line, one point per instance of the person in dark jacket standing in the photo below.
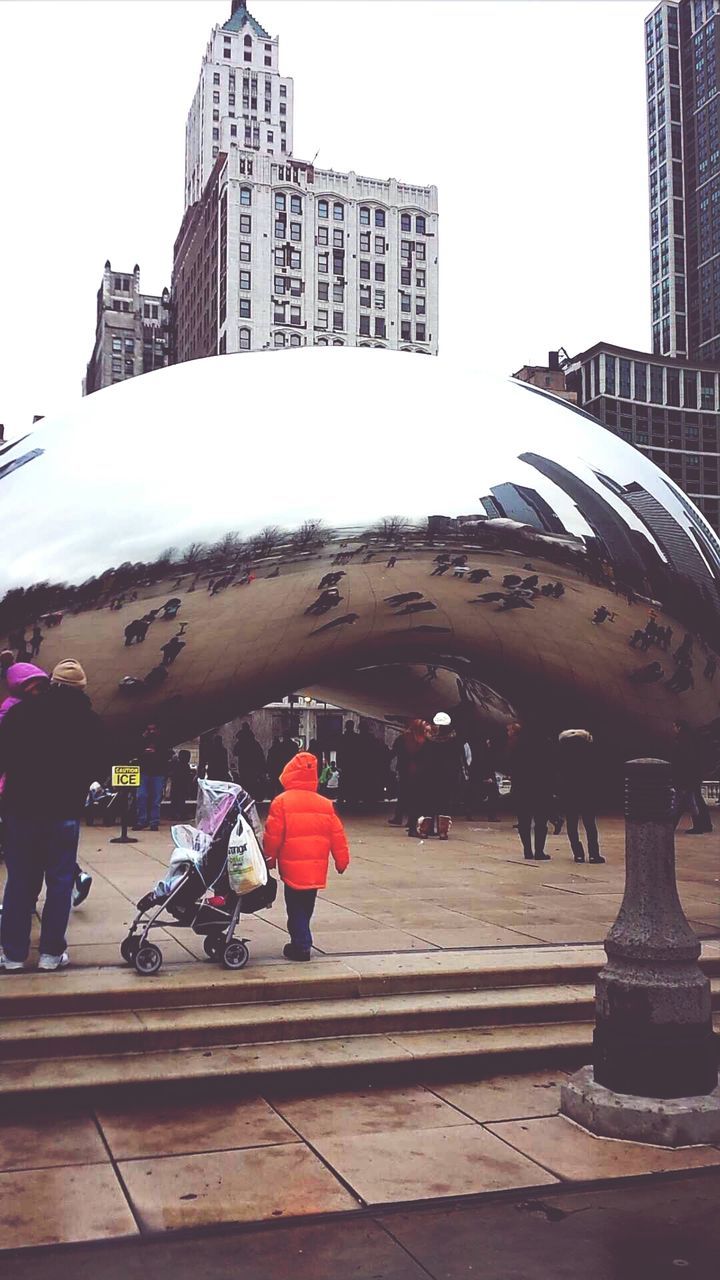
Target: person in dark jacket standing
x,y
529,766
442,769
52,746
686,758
406,754
154,760
577,773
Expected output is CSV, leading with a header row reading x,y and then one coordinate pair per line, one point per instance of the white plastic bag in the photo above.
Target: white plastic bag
x,y
247,869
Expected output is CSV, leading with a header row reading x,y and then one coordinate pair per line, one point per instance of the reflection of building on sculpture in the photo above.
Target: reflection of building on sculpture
x,y
520,570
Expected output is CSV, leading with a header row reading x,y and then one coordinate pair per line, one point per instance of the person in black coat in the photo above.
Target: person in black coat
x,y
52,747
442,771
529,766
687,762
577,788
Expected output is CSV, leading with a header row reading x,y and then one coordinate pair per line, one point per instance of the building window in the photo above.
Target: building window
x,y
129,344
244,308
280,283
296,231
280,201
420,306
268,60
322,235
406,331
283,91
280,228
405,275
245,224
216,97
379,299
364,269
380,327
405,222
129,366
338,342
338,238
279,339
295,204
338,211
365,299
322,208
295,315
405,302
420,225
117,344
323,290
216,152
216,77
364,217
245,196
279,313
233,131
338,263
244,339
379,217
216,115
419,332
244,279
338,320
379,244
322,319
420,252
364,241
365,326
379,270
295,340
295,259
338,293
323,263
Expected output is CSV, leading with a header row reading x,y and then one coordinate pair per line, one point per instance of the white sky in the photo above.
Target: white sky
x,y
529,116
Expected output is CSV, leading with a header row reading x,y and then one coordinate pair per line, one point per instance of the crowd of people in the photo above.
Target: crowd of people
x,y
53,750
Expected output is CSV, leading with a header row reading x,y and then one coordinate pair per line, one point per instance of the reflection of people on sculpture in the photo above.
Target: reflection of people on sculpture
x,y
489,597
170,609
482,788
171,649
479,575
639,640
577,771
346,620
250,759
515,600
391,562
36,641
602,614
530,769
153,756
683,653
681,680
328,599
420,606
710,667
301,833
52,747
136,631
331,579
440,569
403,597
349,763
155,678
687,761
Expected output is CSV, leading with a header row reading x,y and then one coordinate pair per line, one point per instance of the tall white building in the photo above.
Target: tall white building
x,y
273,252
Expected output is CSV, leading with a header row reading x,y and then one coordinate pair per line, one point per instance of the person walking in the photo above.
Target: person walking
x,y
302,831
686,758
406,753
577,773
52,746
154,760
531,789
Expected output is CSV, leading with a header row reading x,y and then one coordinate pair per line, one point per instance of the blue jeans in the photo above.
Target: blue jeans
x,y
300,904
149,796
37,849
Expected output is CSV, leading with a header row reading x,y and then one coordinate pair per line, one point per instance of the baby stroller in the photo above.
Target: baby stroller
x,y
196,893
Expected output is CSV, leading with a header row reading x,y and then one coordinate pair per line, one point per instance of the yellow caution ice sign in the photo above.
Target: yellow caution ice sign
x,y
125,775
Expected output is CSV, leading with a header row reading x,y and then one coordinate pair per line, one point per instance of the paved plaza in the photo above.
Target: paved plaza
x,y
475,890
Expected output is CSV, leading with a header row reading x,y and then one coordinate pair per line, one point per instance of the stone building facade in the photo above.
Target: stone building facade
x,y
132,333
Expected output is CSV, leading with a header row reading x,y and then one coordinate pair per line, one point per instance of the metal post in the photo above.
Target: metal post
x,y
123,838
655,1058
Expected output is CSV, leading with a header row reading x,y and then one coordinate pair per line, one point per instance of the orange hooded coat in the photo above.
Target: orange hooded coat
x,y
303,829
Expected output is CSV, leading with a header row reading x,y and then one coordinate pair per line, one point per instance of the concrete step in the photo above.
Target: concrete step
x,y
75,1035
314,1063
348,977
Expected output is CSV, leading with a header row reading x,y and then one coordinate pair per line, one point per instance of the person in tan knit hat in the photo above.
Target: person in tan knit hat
x,y
70,673
52,746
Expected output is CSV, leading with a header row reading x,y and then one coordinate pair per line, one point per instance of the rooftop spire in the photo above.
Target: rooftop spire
x,y
239,17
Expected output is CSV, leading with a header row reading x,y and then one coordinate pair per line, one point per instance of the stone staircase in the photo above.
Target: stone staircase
x,y
357,1018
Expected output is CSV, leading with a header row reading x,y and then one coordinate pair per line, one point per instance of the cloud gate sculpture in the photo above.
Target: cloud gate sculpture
x,y
395,535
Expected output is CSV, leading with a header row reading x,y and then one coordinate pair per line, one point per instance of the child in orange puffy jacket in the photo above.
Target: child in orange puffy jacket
x,y
301,832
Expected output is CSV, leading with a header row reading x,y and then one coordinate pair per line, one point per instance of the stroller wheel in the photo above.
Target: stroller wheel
x,y
148,959
129,948
214,945
235,955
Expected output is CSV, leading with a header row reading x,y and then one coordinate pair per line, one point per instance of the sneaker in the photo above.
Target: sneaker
x,y
596,860
290,953
153,826
10,966
83,885
49,963
542,857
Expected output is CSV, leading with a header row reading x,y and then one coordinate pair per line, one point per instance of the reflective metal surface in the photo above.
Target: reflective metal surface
x,y
397,535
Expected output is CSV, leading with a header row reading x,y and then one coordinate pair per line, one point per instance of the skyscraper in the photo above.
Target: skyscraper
x,y
683,97
273,252
132,330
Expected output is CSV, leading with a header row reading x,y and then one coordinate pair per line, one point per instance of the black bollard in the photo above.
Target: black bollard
x,y
653,1034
